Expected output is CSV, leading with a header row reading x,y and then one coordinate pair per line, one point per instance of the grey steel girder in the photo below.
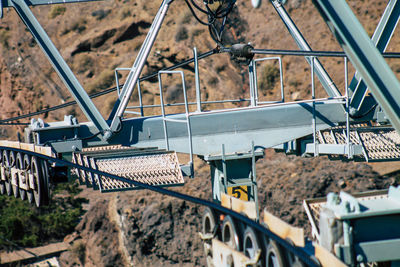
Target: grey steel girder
x,y
364,56
381,38
267,126
59,64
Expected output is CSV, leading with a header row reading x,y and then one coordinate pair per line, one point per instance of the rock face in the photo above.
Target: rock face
x,y
96,240
96,38
160,232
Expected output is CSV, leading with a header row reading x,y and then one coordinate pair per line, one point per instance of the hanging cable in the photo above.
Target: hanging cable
x,y
215,10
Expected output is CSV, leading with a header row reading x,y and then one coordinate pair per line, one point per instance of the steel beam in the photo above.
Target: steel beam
x,y
381,38
61,67
267,126
365,57
301,42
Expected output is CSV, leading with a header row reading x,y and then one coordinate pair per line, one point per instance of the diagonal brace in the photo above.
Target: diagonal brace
x,y
61,67
323,76
381,38
137,67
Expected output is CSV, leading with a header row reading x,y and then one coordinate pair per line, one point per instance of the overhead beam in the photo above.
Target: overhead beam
x,y
364,56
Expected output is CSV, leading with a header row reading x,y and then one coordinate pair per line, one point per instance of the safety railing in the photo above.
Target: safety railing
x,y
166,119
198,103
253,100
253,80
346,102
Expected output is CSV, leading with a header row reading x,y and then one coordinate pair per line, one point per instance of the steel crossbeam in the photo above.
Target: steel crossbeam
x,y
267,126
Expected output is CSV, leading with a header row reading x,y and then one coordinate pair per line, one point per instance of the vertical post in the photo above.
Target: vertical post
x,y
314,123
281,77
252,81
254,179
255,82
224,169
163,112
189,128
346,82
197,80
140,98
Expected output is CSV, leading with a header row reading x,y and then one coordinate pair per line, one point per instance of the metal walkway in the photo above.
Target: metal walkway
x,y
150,166
377,143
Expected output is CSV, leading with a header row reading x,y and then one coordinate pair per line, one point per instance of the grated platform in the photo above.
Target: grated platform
x,y
149,166
378,143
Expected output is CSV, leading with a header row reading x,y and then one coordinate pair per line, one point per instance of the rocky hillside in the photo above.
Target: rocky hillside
x,y
145,229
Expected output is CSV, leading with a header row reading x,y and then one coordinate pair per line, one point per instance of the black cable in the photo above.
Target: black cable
x,y
212,16
104,92
198,7
195,15
211,29
297,251
364,114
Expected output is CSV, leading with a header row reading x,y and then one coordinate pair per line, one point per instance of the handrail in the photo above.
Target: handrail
x,y
194,103
255,80
187,120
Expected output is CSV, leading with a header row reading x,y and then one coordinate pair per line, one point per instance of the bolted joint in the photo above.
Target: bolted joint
x,y
107,135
